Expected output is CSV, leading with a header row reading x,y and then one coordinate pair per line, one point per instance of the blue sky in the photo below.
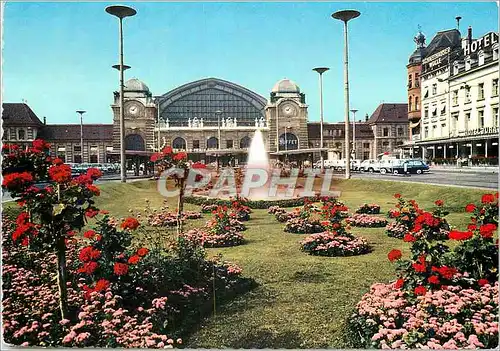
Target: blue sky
x,y
58,56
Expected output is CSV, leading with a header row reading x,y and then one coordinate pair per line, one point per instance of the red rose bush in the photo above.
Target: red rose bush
x,y
442,298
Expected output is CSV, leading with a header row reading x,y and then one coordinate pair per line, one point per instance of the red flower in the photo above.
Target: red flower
x,y
94,173
133,259
155,157
457,235
179,156
397,196
409,238
399,283
23,218
433,280
167,150
486,230
439,202
394,255
85,253
14,181
130,223
483,282
89,267
83,179
102,284
487,198
470,208
89,234
95,190
471,227
418,267
445,272
91,213
57,161
60,173
120,268
198,165
142,251
420,290
25,241
40,145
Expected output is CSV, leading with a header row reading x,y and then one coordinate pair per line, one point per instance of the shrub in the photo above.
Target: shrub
x,y
331,244
396,230
364,220
210,239
369,209
301,225
275,209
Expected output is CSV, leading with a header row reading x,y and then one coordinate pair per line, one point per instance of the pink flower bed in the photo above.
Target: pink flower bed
x,y
364,220
396,230
451,318
212,239
332,244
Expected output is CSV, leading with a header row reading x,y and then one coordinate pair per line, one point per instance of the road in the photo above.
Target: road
x,y
461,179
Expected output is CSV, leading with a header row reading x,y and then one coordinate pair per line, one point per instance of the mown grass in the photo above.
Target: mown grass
x,y
302,301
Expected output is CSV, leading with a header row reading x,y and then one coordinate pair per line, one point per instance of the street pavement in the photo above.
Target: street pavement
x,y
442,177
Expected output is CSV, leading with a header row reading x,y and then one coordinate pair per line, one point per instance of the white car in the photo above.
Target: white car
x,y
370,166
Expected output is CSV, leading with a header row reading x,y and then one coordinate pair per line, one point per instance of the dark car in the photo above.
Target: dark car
x,y
410,166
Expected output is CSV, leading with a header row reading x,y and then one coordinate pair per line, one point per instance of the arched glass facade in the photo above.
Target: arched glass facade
x,y
202,99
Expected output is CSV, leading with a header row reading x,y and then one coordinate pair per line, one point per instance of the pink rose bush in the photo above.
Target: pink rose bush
x,y
442,298
331,244
364,220
369,209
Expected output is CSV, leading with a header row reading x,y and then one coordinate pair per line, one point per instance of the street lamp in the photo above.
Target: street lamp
x,y
121,12
218,113
354,132
81,112
321,70
345,16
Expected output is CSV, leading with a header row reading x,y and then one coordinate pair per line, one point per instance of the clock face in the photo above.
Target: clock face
x,y
289,110
133,109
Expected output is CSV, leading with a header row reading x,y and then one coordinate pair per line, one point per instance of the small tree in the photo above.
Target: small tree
x,y
168,159
50,213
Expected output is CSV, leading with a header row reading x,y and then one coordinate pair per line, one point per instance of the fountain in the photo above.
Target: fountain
x,y
258,160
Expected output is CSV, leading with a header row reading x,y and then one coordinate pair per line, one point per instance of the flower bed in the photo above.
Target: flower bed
x,y
301,225
283,216
369,209
396,230
453,318
208,208
255,204
331,244
275,209
210,239
364,220
443,298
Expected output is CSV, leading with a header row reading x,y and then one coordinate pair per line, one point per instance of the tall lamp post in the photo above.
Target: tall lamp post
x,y
354,131
321,70
345,16
81,112
218,113
121,12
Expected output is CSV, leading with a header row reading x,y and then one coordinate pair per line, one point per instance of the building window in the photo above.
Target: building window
x,y
77,148
455,97
426,95
410,82
366,155
385,144
6,134
417,79
467,94
401,131
434,112
426,112
480,91
229,144
467,120
21,134
426,132
454,121
417,106
386,132
409,104
495,116
93,158
443,110
196,144
367,145
494,88
434,89
434,130
480,117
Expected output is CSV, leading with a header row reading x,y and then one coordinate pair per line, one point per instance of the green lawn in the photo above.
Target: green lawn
x,y
302,301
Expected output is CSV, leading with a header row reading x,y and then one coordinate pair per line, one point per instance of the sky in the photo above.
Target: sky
x,y
58,56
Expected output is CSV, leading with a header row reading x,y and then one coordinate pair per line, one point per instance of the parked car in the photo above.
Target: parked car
x,y
370,166
412,166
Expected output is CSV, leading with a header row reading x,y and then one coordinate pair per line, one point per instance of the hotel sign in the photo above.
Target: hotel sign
x,y
482,43
437,59
479,131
